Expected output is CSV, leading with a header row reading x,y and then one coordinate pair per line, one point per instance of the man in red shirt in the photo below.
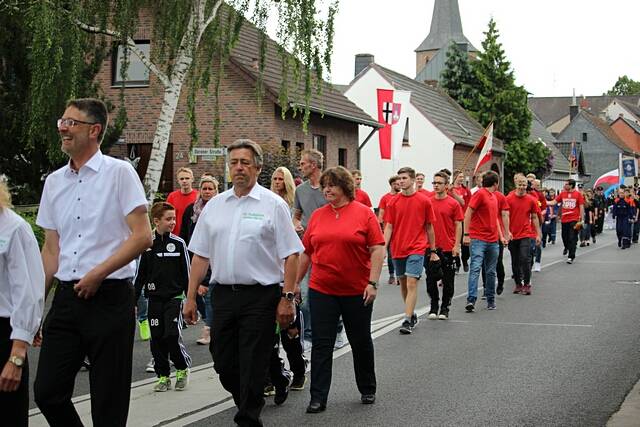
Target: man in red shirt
x,y
525,227
183,197
361,195
420,184
462,194
481,222
394,189
448,231
407,217
533,188
572,208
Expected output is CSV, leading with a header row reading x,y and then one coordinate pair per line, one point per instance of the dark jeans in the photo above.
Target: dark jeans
x,y
521,260
636,231
100,328
14,406
165,322
549,232
392,269
325,312
244,321
570,237
499,268
449,274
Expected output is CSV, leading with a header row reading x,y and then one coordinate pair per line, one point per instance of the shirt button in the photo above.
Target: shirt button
x,y
79,235
78,198
74,270
78,217
80,180
75,253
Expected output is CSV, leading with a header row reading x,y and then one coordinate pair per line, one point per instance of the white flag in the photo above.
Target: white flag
x,y
401,100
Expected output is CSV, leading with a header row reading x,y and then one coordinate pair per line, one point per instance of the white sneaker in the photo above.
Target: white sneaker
x,y
341,341
150,367
536,266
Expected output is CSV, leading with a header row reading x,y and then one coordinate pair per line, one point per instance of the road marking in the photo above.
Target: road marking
x,y
568,325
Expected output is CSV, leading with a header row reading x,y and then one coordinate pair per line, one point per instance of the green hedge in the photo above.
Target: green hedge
x,y
30,217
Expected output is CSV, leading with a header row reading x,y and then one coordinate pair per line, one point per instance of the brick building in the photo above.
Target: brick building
x,y
332,128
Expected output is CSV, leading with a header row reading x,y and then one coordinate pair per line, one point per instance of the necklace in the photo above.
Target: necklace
x,y
336,211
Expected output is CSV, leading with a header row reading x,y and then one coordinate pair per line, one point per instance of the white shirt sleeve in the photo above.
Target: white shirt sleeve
x,y
26,279
287,240
45,219
130,190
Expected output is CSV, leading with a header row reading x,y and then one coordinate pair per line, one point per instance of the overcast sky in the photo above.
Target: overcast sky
x,y
553,45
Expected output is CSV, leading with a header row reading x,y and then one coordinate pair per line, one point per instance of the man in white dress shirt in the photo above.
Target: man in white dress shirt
x,y
247,237
21,303
94,214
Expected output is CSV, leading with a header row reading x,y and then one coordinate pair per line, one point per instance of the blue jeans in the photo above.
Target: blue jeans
x,y
304,306
483,254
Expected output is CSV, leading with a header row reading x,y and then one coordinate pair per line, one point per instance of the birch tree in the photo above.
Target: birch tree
x,y
191,41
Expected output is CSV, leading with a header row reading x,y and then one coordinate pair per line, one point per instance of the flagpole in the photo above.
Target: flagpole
x,y
466,159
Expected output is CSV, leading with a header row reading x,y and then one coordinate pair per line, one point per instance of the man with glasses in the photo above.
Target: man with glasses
x,y
447,229
94,214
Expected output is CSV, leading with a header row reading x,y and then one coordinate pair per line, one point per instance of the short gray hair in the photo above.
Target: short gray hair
x,y
251,145
314,156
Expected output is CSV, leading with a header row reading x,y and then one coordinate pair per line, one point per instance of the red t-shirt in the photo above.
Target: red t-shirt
x,y
520,210
409,216
463,192
385,200
447,212
180,201
484,220
571,202
363,197
339,248
503,205
426,192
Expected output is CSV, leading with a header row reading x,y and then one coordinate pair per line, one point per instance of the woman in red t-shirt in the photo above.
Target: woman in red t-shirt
x,y
345,247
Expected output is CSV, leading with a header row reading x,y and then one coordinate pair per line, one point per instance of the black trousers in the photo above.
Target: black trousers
x,y
570,237
325,312
293,346
448,277
499,267
165,322
278,375
599,224
14,406
244,321
521,260
100,328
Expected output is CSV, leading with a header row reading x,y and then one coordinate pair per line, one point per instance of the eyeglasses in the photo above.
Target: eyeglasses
x,y
438,183
69,123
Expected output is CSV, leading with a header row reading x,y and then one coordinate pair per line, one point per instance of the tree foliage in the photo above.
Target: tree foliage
x,y
625,86
275,156
457,78
527,157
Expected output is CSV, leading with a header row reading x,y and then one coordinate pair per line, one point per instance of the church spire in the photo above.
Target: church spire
x,y
446,26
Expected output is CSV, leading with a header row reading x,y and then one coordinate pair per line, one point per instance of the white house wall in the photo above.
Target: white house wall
x,y
430,150
614,110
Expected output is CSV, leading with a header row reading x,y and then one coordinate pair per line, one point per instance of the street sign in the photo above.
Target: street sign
x,y
207,151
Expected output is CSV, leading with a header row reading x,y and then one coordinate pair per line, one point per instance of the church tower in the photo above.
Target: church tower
x,y
446,26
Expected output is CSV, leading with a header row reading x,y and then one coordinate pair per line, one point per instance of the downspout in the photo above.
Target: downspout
x,y
363,144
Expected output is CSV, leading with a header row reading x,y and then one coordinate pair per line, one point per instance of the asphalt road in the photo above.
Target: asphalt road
x,y
566,355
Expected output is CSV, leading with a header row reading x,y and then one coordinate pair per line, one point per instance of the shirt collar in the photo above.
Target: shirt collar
x,y
254,193
94,163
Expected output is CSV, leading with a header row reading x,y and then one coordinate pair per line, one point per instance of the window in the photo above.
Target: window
x,y
137,72
342,157
299,147
286,146
320,144
405,137
584,137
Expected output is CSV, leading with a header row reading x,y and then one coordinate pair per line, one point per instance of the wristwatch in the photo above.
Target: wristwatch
x,y
433,251
289,296
17,360
374,284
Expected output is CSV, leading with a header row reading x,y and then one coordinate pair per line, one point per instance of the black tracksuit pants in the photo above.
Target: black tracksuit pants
x,y
14,406
101,328
165,322
449,273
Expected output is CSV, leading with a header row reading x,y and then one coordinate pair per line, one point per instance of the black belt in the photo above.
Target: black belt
x,y
239,286
107,282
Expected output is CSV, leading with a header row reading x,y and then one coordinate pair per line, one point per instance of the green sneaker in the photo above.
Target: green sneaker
x,y
145,331
163,384
182,379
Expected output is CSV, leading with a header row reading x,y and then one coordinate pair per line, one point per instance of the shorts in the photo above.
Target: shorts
x,y
410,266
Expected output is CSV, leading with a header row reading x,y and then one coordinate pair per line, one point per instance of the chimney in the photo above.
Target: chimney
x,y
573,108
584,104
363,60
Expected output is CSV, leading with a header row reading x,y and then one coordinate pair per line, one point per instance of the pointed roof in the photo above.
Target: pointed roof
x,y
446,26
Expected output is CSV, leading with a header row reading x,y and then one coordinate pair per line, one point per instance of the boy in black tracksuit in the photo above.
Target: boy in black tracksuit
x,y
624,212
163,271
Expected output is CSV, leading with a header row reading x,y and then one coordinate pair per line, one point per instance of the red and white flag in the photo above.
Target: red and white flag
x,y
392,115
485,145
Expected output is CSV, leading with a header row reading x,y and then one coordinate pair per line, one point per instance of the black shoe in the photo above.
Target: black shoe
x,y
500,288
368,399
470,307
444,314
465,267
406,328
414,320
565,251
281,395
316,407
298,382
